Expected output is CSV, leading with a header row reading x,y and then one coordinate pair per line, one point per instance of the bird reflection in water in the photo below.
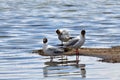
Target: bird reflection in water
x,y
64,68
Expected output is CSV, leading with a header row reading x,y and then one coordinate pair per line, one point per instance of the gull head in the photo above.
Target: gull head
x,y
58,31
83,32
45,40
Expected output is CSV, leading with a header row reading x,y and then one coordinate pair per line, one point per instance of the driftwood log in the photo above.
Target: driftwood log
x,y
111,55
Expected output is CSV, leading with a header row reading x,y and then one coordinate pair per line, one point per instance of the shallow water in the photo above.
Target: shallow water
x,y
23,24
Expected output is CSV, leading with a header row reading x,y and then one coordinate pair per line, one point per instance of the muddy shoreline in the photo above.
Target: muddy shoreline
x,y
111,55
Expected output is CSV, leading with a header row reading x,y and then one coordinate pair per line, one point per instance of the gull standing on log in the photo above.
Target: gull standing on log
x,y
76,43
51,50
63,35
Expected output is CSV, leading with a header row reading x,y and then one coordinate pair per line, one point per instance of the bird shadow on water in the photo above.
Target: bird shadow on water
x,y
64,68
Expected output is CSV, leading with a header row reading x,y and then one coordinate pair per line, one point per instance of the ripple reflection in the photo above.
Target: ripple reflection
x,y
64,68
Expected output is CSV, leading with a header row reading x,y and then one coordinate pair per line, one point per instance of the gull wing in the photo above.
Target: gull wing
x,y
56,50
72,42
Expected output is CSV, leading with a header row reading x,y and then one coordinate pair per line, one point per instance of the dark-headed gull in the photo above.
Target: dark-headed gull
x,y
51,50
63,35
76,43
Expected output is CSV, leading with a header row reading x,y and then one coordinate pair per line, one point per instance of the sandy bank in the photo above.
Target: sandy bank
x,y
106,54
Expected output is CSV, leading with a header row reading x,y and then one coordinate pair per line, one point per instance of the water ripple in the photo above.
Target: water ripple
x,y
23,24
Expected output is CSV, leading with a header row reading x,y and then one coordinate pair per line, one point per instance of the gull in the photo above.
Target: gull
x,y
51,50
63,35
76,43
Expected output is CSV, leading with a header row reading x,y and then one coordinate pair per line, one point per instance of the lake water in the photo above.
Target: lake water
x,y
23,24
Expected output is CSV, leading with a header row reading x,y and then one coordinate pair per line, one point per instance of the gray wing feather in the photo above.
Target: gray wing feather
x,y
56,50
72,42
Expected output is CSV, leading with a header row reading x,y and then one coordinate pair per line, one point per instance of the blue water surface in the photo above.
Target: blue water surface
x,y
24,23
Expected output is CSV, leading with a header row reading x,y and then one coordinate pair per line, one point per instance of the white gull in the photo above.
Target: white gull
x,y
63,35
51,50
76,43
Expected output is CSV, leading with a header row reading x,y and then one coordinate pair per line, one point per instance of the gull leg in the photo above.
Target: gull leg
x,y
66,57
62,43
62,56
51,58
77,54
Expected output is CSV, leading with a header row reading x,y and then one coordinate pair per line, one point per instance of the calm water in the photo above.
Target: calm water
x,y
23,24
